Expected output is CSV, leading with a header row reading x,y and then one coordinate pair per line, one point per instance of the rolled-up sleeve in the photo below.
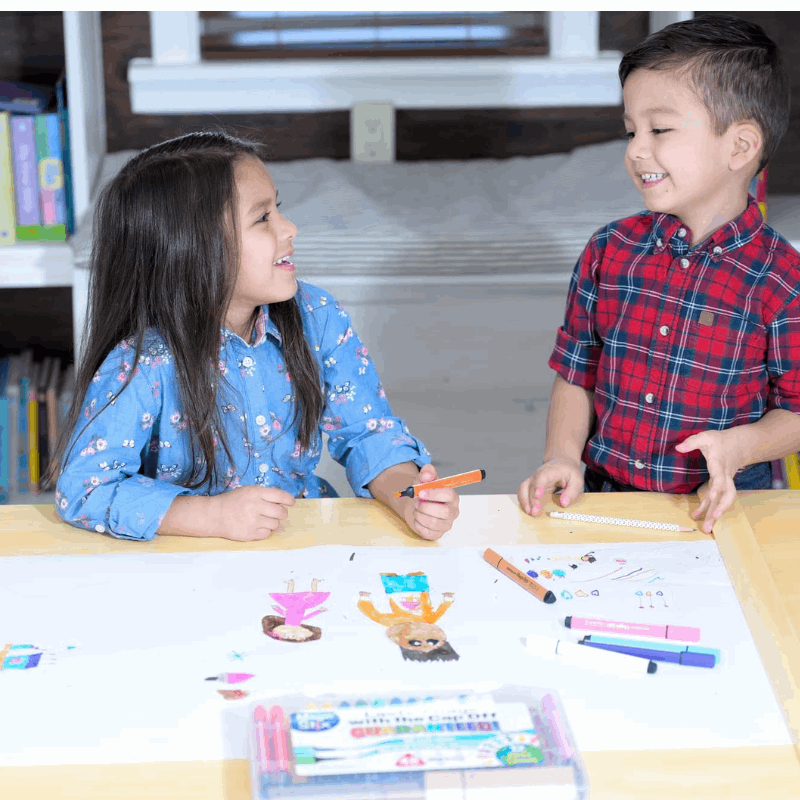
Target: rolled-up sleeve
x,y
99,487
364,436
783,358
578,347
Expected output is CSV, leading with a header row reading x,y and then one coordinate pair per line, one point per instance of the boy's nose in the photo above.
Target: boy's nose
x,y
638,149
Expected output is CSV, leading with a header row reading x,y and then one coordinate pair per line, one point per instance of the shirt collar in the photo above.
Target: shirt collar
x,y
736,233
263,327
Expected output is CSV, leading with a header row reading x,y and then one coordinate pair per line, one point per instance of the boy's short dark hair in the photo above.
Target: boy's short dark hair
x,y
736,69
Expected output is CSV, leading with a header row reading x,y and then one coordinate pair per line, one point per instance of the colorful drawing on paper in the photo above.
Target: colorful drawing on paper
x,y
294,608
232,694
20,656
411,622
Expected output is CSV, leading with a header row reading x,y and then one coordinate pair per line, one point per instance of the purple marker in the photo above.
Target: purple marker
x,y
684,657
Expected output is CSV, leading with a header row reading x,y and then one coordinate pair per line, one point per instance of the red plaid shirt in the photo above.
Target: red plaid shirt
x,y
675,340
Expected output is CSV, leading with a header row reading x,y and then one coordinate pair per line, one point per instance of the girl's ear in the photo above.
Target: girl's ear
x,y
746,144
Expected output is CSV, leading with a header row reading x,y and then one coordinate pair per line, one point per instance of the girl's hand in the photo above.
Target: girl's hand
x,y
558,472
723,459
432,513
250,513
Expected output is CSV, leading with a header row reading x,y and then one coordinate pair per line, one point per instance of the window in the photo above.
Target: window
x,y
297,34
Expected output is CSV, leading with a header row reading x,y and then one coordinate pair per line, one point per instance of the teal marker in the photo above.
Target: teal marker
x,y
669,648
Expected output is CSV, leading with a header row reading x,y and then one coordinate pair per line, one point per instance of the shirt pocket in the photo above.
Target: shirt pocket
x,y
724,353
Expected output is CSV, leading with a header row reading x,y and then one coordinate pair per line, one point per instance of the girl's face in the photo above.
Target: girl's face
x,y
266,275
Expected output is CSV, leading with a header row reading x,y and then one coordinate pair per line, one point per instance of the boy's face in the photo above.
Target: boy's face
x,y
674,157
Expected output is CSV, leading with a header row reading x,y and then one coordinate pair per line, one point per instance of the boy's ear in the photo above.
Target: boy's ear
x,y
746,141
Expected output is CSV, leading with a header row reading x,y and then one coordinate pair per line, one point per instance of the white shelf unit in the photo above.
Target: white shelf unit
x,y
39,264
32,264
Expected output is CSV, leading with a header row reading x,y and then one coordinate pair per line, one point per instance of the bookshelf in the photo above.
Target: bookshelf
x,y
49,264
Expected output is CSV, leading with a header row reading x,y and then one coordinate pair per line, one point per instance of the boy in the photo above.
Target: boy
x,y
679,359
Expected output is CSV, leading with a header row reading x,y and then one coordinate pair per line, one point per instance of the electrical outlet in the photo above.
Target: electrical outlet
x,y
372,133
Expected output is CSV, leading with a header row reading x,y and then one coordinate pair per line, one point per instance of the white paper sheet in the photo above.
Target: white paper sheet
x,y
148,629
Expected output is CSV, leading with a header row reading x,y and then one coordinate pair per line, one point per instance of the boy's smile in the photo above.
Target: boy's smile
x,y
675,158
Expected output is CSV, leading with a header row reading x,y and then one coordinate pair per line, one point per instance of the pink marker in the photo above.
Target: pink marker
x,y
277,721
262,739
231,677
681,632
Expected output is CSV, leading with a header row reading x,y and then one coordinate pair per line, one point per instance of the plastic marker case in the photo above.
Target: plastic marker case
x,y
512,742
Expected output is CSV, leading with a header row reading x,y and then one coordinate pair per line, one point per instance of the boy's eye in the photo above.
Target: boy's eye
x,y
660,130
628,134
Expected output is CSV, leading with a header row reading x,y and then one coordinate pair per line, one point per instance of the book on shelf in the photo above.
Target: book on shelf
x,y
792,467
23,98
5,453
36,195
26,181
8,214
34,401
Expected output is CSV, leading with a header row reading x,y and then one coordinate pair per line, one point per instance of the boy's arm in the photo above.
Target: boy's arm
x,y
569,421
775,435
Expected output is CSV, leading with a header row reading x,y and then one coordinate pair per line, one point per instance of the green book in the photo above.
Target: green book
x,y
41,233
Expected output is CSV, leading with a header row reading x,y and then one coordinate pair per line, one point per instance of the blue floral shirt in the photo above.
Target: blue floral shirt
x,y
123,470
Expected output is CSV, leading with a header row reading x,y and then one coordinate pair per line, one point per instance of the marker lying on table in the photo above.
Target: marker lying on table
x,y
687,657
578,656
681,632
520,578
628,523
452,482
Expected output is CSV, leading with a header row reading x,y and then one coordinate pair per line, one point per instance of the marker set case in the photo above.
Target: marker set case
x,y
512,742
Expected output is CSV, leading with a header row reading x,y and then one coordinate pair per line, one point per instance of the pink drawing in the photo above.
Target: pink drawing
x,y
294,609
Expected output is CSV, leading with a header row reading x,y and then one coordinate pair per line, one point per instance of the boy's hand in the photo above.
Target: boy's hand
x,y
558,472
723,458
432,513
250,513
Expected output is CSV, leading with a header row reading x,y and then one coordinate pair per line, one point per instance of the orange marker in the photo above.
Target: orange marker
x,y
463,479
520,578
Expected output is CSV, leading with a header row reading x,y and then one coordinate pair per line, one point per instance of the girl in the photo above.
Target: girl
x,y
210,372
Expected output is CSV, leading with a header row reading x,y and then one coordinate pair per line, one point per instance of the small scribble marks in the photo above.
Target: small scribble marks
x,y
352,556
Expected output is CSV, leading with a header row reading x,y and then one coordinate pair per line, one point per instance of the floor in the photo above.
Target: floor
x,y
466,367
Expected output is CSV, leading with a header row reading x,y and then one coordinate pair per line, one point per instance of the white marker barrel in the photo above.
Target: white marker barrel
x,y
581,656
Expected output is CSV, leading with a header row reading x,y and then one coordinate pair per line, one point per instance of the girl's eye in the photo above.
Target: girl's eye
x,y
629,134
656,131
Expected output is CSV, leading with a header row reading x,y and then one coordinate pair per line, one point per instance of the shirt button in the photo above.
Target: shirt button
x,y
682,232
663,330
684,262
247,361
260,419
649,397
658,242
638,464
717,251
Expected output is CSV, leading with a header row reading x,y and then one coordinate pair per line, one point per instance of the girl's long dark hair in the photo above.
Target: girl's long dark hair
x,y
165,256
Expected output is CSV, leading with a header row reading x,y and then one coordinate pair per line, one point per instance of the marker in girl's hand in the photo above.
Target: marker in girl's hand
x,y
452,482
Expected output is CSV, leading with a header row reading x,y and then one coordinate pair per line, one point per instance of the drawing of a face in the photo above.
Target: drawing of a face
x,y
421,637
276,628
411,602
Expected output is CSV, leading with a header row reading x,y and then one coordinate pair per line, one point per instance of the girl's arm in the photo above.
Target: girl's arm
x,y
432,514
104,485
